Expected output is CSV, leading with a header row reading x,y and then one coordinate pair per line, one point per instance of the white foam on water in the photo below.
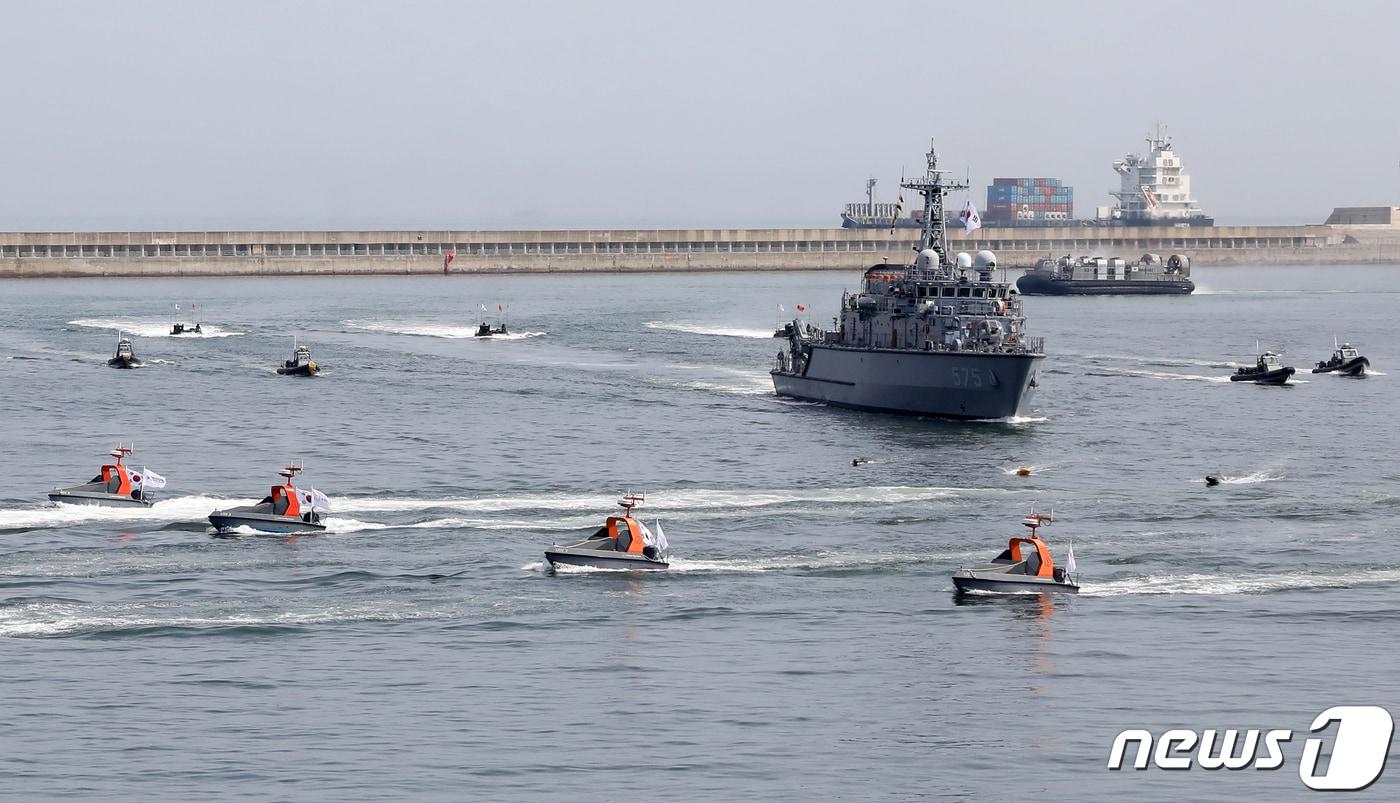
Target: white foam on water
x,y
426,329
662,501
756,388
139,327
1243,583
1166,375
1012,470
58,619
54,515
715,331
1160,360
1251,479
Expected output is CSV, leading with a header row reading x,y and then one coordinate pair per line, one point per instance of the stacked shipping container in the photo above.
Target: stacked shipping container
x,y
1028,200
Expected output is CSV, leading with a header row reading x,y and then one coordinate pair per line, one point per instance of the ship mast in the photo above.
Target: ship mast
x,y
933,187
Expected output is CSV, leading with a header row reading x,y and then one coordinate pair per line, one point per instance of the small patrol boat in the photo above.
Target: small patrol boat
x,y
287,509
1268,370
1213,480
300,364
126,355
179,328
1015,573
115,486
622,542
486,329
1345,361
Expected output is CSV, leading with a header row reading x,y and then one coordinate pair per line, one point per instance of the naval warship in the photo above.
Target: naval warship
x,y
936,338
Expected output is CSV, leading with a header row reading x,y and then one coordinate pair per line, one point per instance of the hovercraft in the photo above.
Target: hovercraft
x,y
287,509
1017,573
622,542
115,486
1345,361
1266,371
300,364
125,356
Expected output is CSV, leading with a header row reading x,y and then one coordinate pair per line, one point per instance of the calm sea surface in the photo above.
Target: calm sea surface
x,y
805,644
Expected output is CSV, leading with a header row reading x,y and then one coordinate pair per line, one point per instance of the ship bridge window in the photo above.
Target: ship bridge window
x,y
947,292
978,292
964,292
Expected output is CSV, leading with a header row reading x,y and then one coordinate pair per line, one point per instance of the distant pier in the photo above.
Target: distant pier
x,y
237,253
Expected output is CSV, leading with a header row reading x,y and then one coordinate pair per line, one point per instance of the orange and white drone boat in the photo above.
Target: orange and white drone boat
x,y
1016,571
623,542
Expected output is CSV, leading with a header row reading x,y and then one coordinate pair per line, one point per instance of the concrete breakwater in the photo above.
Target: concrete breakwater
x,y
234,253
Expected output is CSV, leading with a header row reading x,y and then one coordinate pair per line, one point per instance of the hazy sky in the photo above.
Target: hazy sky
x,y
526,114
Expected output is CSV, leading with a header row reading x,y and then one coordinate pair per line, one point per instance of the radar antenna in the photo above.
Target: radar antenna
x,y
933,187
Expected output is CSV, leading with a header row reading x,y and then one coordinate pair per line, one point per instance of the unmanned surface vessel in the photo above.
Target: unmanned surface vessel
x,y
622,542
937,338
116,485
1017,573
287,509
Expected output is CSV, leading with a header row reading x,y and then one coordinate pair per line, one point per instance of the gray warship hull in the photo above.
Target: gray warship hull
x,y
930,383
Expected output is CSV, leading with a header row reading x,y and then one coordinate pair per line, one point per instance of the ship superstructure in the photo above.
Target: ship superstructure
x,y
939,337
875,215
1154,189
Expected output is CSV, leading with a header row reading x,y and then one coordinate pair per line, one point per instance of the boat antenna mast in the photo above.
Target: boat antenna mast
x,y
290,471
122,451
630,500
933,187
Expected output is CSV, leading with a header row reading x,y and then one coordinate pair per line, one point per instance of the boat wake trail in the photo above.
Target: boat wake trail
x,y
666,502
41,618
1236,583
147,328
715,331
1107,371
1251,479
51,516
820,563
425,329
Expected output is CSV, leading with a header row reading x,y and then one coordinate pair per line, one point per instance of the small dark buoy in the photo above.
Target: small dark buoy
x,y
1212,479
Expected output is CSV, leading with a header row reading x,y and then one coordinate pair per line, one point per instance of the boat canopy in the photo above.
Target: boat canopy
x,y
630,534
1042,565
117,479
285,502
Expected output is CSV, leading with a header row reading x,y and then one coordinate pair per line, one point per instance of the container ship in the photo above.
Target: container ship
x,y
1028,202
1154,189
872,215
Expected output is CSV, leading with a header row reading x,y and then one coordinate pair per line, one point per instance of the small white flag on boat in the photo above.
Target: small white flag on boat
x,y
317,501
970,218
661,539
1070,566
147,479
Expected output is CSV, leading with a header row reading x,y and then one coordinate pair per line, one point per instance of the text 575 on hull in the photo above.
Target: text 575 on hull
x,y
922,339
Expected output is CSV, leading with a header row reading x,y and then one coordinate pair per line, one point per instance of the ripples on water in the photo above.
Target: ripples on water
x,y
805,643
